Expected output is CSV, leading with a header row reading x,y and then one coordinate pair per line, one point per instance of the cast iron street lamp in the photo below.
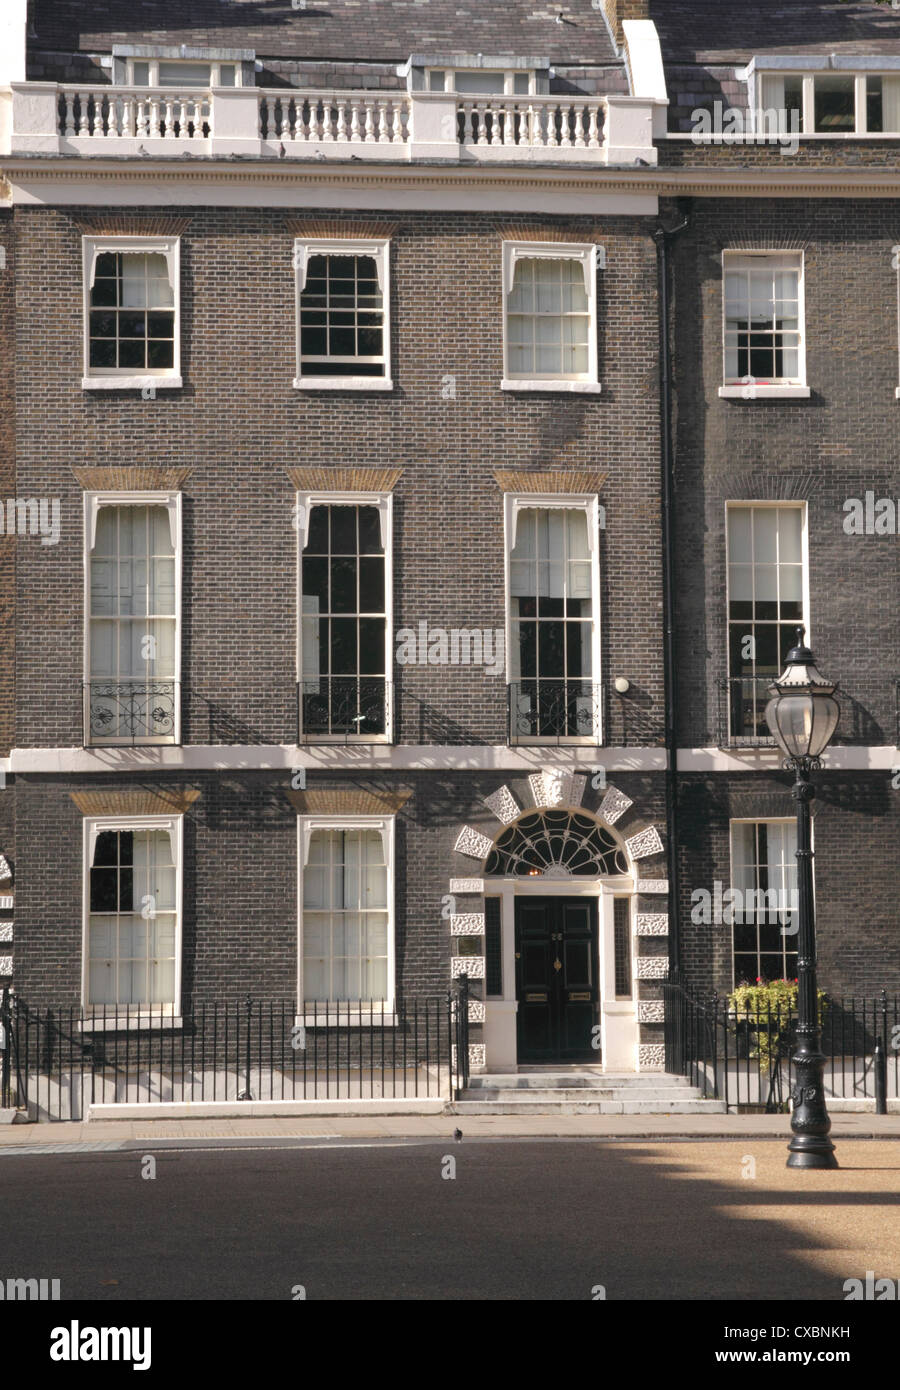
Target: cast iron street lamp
x,y
803,715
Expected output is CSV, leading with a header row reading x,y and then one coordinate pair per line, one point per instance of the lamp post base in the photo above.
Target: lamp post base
x,y
805,1152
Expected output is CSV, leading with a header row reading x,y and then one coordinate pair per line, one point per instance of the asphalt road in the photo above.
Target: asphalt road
x,y
520,1220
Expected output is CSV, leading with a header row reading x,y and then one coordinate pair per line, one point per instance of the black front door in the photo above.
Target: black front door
x,y
556,979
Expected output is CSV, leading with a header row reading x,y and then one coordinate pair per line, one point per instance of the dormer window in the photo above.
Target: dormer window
x,y
828,100
176,72
481,81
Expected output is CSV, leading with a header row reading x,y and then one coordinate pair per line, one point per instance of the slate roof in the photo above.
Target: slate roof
x,y
718,32
342,30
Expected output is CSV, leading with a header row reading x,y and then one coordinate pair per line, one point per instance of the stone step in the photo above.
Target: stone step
x,y
572,1079
585,1096
517,1106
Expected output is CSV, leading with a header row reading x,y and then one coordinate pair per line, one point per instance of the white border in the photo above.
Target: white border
x,y
590,256
93,501
122,379
587,502
138,1015
768,503
379,248
789,386
386,825
384,501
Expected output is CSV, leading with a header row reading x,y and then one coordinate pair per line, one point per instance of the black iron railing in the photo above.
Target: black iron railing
x,y
553,710
130,711
742,1055
742,711
344,707
57,1062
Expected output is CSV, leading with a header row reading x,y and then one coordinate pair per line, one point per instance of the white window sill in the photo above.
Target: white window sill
x,y
750,391
127,1023
592,388
565,741
347,1018
130,383
343,383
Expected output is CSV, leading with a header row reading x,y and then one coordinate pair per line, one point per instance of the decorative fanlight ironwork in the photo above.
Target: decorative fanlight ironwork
x,y
555,844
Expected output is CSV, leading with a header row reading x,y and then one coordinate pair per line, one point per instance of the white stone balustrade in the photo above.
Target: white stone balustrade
x,y
47,118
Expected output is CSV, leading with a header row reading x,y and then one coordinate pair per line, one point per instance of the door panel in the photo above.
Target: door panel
x,y
556,979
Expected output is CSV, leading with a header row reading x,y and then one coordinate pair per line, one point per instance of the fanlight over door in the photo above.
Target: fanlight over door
x,y
556,844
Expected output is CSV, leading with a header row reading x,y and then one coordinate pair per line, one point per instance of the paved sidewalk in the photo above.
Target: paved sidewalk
x,y
437,1127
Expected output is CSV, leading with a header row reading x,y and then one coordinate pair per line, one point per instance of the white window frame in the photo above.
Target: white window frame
x,y
761,820
745,388
123,378
513,504
807,74
342,1011
509,74
380,251
590,256
122,1016
93,501
214,64
803,508
384,502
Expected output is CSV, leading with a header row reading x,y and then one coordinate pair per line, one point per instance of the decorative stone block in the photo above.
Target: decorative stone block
x,y
554,787
472,843
614,805
6,931
467,924
504,805
5,870
473,966
5,965
651,1056
467,885
651,924
476,1011
477,1056
651,1011
652,968
6,902
653,885
645,843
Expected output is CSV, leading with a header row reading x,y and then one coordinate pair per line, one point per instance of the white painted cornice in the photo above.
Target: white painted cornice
x,y
52,180
332,758
62,180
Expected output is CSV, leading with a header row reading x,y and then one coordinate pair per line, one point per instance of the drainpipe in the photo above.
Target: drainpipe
x,y
662,238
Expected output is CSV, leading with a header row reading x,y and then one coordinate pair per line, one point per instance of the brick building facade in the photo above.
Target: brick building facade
x,y
500,499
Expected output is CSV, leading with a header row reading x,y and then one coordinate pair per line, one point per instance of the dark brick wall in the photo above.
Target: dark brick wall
x,y
239,423
240,875
856,820
837,445
7,480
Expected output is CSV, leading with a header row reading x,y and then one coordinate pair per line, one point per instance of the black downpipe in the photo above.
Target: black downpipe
x,y
662,238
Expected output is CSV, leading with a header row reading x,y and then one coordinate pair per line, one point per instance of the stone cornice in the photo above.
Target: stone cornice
x,y
874,182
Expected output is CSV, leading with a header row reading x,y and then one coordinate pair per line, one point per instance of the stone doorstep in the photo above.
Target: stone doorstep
x,y
520,1106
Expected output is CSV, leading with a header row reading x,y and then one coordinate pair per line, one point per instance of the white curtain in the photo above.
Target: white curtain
x,y
890,104
133,617
345,919
782,867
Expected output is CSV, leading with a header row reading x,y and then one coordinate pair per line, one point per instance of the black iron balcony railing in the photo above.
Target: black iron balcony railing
x,y
131,711
344,707
742,711
552,710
